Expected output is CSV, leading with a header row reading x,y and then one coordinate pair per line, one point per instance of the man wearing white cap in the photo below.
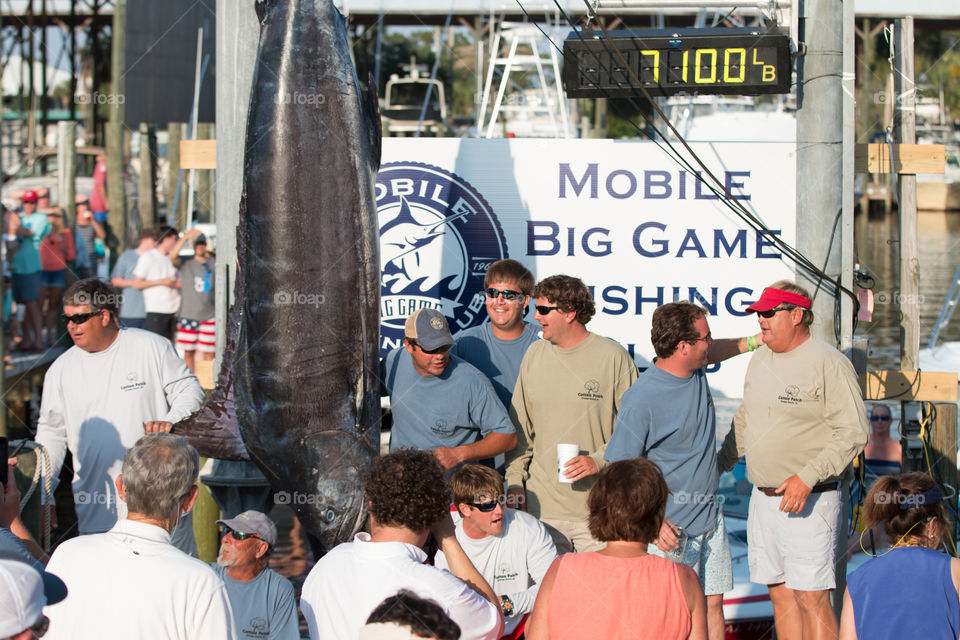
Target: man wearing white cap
x,y
262,600
438,401
801,423
23,593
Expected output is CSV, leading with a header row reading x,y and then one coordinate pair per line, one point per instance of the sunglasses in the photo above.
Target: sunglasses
x,y
40,627
879,418
707,338
80,318
430,352
542,310
769,313
239,535
490,505
508,295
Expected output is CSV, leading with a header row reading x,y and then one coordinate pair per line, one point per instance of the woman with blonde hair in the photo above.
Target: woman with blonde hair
x,y
910,590
621,591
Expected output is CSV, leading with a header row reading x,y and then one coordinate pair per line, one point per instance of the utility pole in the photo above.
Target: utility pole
x,y
116,191
905,132
147,189
820,154
67,171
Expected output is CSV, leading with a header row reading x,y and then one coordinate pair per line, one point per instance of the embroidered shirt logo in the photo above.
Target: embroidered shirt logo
x,y
791,395
591,391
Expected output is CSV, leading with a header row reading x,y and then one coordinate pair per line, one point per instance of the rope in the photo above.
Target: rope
x,y
41,475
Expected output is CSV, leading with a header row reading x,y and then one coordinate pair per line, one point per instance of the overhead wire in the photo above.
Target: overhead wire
x,y
716,187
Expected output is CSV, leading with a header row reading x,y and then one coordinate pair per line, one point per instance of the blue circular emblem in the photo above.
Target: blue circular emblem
x,y
438,237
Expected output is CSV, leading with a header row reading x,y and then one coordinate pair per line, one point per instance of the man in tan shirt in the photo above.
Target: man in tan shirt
x,y
801,423
568,392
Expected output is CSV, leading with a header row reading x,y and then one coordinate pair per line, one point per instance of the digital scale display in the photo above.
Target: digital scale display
x,y
739,61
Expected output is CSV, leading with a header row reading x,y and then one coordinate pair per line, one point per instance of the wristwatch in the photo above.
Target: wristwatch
x,y
506,605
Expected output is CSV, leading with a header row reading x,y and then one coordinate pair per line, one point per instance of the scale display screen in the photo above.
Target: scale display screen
x,y
740,61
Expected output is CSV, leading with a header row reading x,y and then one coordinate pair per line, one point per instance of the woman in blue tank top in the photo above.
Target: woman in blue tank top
x,y
910,590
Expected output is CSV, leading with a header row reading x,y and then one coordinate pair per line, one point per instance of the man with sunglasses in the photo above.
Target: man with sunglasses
x,y
262,600
510,548
801,423
568,391
668,417
102,395
497,346
439,402
24,591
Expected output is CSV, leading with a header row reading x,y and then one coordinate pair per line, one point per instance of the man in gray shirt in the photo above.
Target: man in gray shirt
x,y
262,600
133,313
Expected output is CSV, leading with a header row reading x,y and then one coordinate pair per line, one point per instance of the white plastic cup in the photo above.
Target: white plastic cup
x,y
565,453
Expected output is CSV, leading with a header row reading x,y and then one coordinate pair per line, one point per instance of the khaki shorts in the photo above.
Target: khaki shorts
x,y
796,549
577,534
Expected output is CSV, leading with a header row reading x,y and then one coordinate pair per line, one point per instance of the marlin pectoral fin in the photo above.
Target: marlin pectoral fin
x,y
213,429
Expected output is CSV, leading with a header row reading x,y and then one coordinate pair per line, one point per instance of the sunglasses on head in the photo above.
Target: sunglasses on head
x,y
544,310
79,318
490,505
430,352
508,295
879,418
769,313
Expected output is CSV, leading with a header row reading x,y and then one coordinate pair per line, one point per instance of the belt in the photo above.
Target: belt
x,y
819,488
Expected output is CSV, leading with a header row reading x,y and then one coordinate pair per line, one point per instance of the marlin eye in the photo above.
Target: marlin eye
x,y
329,515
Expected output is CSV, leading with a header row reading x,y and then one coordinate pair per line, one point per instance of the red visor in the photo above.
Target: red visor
x,y
772,297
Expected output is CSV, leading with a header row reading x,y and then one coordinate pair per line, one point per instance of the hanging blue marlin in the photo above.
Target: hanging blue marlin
x,y
298,392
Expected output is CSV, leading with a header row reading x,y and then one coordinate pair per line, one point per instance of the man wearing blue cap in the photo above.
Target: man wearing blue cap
x,y
438,401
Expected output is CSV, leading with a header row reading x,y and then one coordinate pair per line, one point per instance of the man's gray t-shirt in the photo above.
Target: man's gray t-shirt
x,y
671,421
263,608
455,408
196,289
132,304
498,359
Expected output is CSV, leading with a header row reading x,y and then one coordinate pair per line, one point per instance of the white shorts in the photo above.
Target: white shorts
x,y
797,549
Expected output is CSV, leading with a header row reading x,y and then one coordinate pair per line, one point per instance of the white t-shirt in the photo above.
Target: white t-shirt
x,y
513,563
130,582
153,265
351,580
95,404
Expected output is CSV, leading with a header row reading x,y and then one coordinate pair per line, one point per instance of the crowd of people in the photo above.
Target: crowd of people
x,y
537,486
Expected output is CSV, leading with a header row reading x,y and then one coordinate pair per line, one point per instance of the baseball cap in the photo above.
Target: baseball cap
x,y
24,592
429,328
253,522
29,196
771,297
200,239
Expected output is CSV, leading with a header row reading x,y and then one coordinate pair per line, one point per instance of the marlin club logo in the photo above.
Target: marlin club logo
x,y
438,236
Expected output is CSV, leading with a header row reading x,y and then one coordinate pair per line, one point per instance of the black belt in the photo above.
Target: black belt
x,y
819,488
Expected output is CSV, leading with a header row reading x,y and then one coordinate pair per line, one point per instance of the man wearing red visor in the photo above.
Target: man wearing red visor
x,y
801,423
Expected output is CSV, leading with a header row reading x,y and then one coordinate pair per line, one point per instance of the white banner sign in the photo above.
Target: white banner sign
x,y
622,216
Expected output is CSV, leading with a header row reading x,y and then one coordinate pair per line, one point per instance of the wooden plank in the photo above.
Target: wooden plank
x,y
907,158
905,386
198,154
943,452
205,373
